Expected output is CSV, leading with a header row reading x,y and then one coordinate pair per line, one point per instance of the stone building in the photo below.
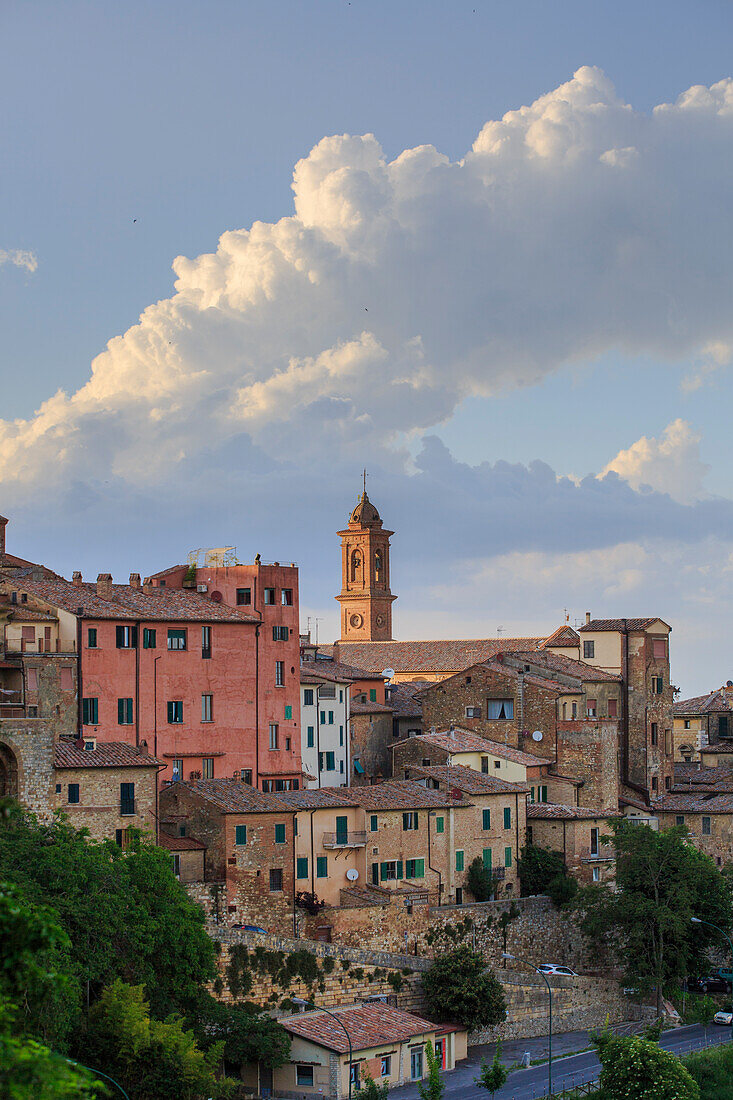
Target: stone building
x,y
464,747
705,720
187,854
372,737
365,597
577,833
106,787
708,817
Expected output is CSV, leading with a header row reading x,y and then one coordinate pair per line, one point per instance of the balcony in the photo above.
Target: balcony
x,y
498,873
344,840
604,852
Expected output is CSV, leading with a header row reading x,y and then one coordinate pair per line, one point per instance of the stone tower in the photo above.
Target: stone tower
x,y
365,598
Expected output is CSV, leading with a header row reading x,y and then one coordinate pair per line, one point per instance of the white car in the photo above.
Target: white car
x,y
723,1018
556,968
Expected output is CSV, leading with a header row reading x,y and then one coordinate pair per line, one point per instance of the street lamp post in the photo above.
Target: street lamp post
x,y
699,920
516,958
99,1073
302,1001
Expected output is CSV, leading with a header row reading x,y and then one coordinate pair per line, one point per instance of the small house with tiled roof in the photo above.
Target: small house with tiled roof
x,y
578,833
702,721
706,815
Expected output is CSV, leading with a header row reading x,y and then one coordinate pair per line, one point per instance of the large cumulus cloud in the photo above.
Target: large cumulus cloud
x,y
397,288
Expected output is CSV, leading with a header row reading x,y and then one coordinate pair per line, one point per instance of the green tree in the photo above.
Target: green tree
x,y
153,1060
706,1009
248,1034
479,881
562,889
632,1067
537,867
370,1090
492,1075
433,1087
458,987
661,882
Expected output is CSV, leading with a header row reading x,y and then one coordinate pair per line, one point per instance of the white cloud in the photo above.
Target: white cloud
x,y
398,288
19,257
670,464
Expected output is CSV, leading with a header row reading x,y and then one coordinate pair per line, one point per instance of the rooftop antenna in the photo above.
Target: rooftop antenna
x,y
567,614
317,621
499,631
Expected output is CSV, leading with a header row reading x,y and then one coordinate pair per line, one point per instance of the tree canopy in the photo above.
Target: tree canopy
x,y
459,988
638,1068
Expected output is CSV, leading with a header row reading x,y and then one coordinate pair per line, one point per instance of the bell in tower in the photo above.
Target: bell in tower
x,y
365,598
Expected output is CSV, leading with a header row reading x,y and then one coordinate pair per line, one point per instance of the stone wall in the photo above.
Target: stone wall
x,y
26,745
98,808
588,750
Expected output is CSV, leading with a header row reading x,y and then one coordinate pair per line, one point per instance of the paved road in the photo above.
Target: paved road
x,y
575,1069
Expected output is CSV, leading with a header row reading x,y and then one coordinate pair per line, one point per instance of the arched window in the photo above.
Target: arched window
x,y
355,565
378,565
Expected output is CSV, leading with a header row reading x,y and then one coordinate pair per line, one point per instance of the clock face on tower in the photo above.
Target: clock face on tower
x,y
356,620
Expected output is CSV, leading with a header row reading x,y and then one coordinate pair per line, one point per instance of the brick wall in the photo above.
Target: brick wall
x,y
26,745
371,744
588,750
648,761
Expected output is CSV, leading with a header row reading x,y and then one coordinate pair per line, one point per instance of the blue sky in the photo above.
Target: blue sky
x,y
134,134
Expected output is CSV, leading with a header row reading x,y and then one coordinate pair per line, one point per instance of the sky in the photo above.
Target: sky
x,y
481,249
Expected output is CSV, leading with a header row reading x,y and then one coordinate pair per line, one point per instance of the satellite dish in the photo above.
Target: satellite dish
x,y
216,597
537,735
352,874
388,673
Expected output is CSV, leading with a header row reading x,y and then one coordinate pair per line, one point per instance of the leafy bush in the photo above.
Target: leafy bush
x,y
459,988
370,1090
562,889
492,1075
712,1070
433,1087
537,868
478,880
633,1067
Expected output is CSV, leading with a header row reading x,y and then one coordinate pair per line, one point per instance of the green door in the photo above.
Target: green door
x,y
342,830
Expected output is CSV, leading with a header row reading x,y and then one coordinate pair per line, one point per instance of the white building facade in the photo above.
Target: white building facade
x,y
324,724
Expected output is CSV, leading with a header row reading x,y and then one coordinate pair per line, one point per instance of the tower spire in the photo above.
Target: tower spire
x,y
365,477
365,597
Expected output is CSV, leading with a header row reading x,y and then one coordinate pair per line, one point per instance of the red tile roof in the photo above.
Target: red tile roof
x,y
564,637
460,740
697,803
431,656
466,779
369,708
399,794
27,614
107,754
720,700
558,662
620,624
166,604
232,796
550,810
404,698
180,843
369,1026
324,798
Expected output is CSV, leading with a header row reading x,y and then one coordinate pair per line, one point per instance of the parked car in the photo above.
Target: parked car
x,y
723,1018
711,983
558,969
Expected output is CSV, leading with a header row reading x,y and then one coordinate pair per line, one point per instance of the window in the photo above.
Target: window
x,y
280,634
459,895
574,708
207,708
92,637
499,708
687,723
124,712
244,596
589,650
301,867
207,767
385,1068
473,712
126,637
66,678
321,866
32,712
90,746
330,762
240,834
507,817
286,597
276,880
657,685
654,733
341,767
280,833
308,697
175,711
409,821
205,642
655,783
354,1075
391,870
90,712
594,841
591,706
486,859
497,763
273,735
149,638
722,725
127,798
341,735
177,769
415,868
706,830
612,708
247,776
177,639
304,1074
440,824
507,857
330,717
680,819
542,794
596,874
373,823
486,819
311,737
484,763
372,695
667,782
72,796
288,712
279,674
269,596
659,649
459,861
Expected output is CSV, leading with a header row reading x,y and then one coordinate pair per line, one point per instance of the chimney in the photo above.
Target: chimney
x,y
3,525
134,580
587,618
76,578
104,586
148,587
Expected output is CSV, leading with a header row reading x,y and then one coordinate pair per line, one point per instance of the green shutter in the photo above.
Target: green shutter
x,y
507,857
409,868
302,867
311,739
120,712
543,797
383,872
372,695
280,834
399,868
405,822
240,834
419,868
373,823
486,819
459,861
487,859
507,817
171,715
288,712
440,824
321,867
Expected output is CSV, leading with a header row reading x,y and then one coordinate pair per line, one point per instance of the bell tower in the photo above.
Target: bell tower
x,y
365,598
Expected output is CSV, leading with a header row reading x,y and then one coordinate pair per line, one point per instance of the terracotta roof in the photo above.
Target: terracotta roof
x,y
687,776
323,671
167,604
27,614
369,708
399,794
460,740
721,699
717,747
564,636
404,698
324,798
697,803
466,779
107,754
496,664
232,796
549,810
619,624
431,656
558,662
368,1026
180,843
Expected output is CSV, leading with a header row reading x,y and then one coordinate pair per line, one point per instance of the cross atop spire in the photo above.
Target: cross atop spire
x,y
365,477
